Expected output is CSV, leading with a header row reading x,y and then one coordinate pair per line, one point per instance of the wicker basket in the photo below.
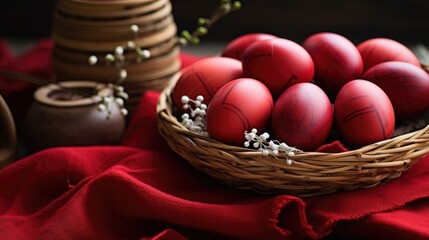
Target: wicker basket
x,y
311,173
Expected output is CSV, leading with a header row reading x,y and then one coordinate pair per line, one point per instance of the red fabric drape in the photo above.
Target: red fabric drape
x,y
143,190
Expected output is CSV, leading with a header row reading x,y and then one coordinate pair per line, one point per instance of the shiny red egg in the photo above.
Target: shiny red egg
x,y
363,113
406,85
204,78
238,106
336,59
302,116
278,63
236,48
379,50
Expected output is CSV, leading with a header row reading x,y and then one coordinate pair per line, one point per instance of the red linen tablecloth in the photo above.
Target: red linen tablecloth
x,y
143,190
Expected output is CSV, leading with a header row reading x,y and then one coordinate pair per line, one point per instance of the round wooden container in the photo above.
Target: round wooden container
x,y
93,27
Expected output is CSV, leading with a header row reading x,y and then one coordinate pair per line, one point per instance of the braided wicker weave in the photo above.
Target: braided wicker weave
x,y
310,174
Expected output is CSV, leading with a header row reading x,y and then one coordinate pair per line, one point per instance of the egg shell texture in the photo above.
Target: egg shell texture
x,y
336,59
302,116
363,113
205,78
378,50
236,48
278,63
406,85
238,106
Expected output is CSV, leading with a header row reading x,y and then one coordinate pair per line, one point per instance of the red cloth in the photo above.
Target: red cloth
x,y
143,190
37,61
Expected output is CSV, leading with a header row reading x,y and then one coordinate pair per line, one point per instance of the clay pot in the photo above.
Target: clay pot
x,y
8,142
73,117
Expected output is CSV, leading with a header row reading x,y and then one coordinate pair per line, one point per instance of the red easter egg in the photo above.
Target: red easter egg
x,y
406,85
278,63
363,113
302,116
205,77
336,60
235,49
379,50
238,106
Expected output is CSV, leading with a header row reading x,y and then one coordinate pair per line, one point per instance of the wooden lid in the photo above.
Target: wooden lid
x,y
108,11
44,94
153,16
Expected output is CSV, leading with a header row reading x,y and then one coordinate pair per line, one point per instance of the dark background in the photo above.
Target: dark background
x,y
405,21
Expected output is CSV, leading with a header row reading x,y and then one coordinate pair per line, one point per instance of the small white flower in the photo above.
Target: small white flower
x,y
195,128
134,28
124,111
92,60
200,98
110,58
254,130
272,147
203,106
283,146
119,88
107,99
119,101
185,116
131,45
123,74
247,136
101,107
195,120
119,50
123,95
275,152
252,136
146,54
265,152
185,99
265,136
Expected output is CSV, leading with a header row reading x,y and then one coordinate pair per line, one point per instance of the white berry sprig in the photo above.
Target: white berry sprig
x,y
118,97
117,58
271,147
226,7
195,121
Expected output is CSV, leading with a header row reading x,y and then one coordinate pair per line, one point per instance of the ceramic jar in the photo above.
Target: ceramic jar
x,y
74,113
